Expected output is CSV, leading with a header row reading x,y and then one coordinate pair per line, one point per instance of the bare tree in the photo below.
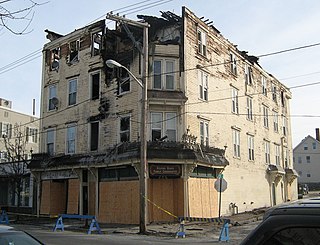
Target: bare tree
x,y
11,11
16,168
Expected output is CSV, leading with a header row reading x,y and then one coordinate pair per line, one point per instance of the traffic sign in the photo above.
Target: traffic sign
x,y
220,185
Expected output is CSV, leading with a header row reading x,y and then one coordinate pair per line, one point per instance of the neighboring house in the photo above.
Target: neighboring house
x,y
306,161
18,130
212,109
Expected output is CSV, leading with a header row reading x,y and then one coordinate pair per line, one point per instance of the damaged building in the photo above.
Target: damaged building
x,y
212,110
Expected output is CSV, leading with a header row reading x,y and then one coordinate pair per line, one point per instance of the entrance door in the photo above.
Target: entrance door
x,y
273,189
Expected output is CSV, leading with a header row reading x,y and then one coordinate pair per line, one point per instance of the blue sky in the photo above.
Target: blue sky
x,y
260,27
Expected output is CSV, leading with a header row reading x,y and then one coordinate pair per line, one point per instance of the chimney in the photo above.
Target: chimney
x,y
317,134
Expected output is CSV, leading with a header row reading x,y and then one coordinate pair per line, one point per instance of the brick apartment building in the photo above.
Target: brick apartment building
x,y
212,109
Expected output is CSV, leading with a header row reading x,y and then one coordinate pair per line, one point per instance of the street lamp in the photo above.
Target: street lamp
x,y
143,148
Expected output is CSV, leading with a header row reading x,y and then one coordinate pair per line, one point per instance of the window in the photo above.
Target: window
x,y
50,141
267,151
204,133
32,135
250,147
309,175
55,59
308,159
124,80
52,98
284,125
275,122
203,85
264,85
314,145
94,136
265,116
163,128
96,43
248,74
125,129
71,139
72,99
163,74
6,130
202,42
235,104
233,63
299,160
305,147
274,93
74,48
277,154
3,156
236,142
283,100
249,109
95,85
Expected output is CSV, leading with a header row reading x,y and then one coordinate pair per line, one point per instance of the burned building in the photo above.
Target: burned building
x,y
203,99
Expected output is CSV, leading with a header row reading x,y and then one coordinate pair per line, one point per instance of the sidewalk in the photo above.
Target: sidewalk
x,y
192,229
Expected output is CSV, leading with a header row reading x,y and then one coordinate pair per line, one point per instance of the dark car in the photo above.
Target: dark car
x,y
11,236
294,223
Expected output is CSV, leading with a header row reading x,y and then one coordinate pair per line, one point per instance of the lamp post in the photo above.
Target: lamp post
x,y
143,148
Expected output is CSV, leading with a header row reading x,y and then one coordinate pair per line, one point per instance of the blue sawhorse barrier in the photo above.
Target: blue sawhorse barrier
x,y
224,234
4,218
94,226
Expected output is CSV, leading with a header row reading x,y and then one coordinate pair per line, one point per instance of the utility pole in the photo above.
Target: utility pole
x,y
143,128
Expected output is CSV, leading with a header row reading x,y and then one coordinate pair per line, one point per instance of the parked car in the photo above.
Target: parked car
x,y
294,223
11,236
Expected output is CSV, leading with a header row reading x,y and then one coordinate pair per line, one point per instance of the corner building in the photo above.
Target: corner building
x,y
212,112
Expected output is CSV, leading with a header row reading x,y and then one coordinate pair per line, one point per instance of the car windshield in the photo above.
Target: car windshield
x,y
17,238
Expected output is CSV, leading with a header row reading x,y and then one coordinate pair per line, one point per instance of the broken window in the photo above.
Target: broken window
x,y
233,63
283,100
96,43
94,136
202,42
125,129
123,81
95,85
55,59
274,93
74,48
72,98
248,74
50,141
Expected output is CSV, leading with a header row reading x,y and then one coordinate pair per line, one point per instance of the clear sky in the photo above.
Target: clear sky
x,y
259,27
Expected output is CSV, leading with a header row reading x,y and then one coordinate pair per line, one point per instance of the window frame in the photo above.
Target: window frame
x,y
277,153
250,147
94,144
202,42
264,84
249,108
265,110
52,93
236,143
267,151
235,100
163,74
248,74
127,131
95,95
165,117
275,121
204,133
233,64
72,140
71,93
203,78
50,144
